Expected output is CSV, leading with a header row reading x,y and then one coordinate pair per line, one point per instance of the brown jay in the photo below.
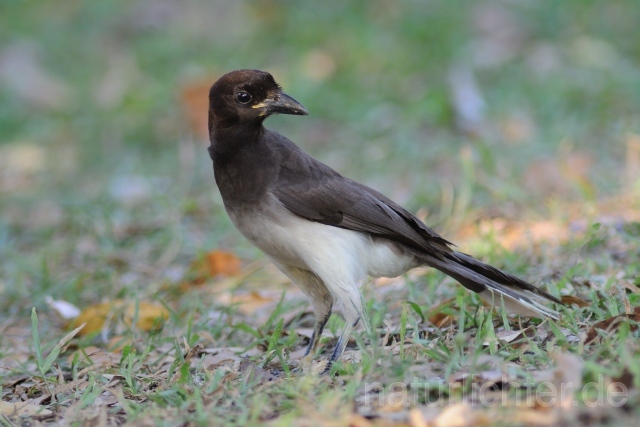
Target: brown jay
x,y
327,233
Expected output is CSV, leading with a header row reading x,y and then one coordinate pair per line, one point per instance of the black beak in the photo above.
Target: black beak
x,y
281,103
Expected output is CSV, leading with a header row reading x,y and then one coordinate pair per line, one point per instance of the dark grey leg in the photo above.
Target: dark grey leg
x,y
320,297
317,333
341,345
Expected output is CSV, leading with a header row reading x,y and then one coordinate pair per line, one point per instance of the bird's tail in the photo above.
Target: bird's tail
x,y
495,286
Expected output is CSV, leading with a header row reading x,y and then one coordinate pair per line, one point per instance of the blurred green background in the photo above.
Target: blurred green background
x,y
446,106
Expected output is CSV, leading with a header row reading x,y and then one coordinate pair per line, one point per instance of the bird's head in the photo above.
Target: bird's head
x,y
246,96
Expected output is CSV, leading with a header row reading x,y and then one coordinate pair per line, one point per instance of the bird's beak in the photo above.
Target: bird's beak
x,y
281,103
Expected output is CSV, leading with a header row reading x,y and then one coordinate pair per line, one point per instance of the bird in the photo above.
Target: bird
x,y
327,232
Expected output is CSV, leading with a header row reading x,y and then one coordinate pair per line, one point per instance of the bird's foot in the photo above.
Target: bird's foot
x,y
327,368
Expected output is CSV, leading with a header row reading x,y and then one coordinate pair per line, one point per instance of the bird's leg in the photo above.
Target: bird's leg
x,y
343,340
342,344
320,297
321,321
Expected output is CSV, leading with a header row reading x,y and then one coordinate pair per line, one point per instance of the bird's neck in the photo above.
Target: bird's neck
x,y
226,140
243,164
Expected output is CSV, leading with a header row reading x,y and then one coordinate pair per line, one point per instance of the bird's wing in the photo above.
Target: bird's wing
x,y
314,191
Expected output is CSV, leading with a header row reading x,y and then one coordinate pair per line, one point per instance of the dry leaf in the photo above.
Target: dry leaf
x,y
193,351
221,263
149,315
612,323
570,299
438,318
441,320
23,409
213,264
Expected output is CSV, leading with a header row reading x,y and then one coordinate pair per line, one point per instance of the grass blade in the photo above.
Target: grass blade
x,y
36,340
55,352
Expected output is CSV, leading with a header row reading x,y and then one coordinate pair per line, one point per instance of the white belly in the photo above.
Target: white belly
x,y
335,254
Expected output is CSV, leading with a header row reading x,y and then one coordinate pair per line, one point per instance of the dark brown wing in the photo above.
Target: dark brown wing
x,y
316,192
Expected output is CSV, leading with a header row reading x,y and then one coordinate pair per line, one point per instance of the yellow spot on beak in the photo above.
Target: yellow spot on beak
x,y
261,105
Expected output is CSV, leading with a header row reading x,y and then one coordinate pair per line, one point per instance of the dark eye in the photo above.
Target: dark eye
x,y
243,97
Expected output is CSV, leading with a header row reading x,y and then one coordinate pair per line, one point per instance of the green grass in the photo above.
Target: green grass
x,y
107,193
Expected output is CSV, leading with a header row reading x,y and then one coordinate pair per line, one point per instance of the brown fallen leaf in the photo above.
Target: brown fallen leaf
x,y
23,409
570,299
148,315
221,263
612,323
439,319
216,263
193,352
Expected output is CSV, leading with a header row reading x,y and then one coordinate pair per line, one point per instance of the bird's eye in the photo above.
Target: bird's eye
x,y
243,97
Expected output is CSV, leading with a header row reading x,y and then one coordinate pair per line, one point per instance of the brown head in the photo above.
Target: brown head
x,y
247,97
